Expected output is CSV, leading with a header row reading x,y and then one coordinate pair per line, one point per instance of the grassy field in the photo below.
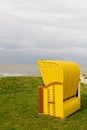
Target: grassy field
x,y
19,108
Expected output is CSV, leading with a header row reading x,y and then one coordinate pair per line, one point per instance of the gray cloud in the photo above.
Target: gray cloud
x,y
35,29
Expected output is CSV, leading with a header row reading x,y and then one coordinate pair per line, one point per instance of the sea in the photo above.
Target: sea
x,y
25,70
18,70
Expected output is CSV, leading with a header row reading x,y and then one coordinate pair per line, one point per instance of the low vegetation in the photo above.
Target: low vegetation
x,y
19,107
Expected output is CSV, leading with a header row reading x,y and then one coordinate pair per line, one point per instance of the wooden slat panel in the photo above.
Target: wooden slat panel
x,y
40,99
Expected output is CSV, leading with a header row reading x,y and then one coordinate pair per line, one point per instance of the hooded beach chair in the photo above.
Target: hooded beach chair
x,y
60,94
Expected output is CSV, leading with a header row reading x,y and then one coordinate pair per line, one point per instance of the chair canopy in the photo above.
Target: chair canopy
x,y
67,73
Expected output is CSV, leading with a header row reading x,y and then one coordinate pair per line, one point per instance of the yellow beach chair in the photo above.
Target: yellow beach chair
x,y
60,94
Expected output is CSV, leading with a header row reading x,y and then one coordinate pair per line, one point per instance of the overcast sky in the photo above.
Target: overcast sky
x,y
48,29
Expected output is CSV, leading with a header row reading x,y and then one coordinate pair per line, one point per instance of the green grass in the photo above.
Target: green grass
x,y
19,107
